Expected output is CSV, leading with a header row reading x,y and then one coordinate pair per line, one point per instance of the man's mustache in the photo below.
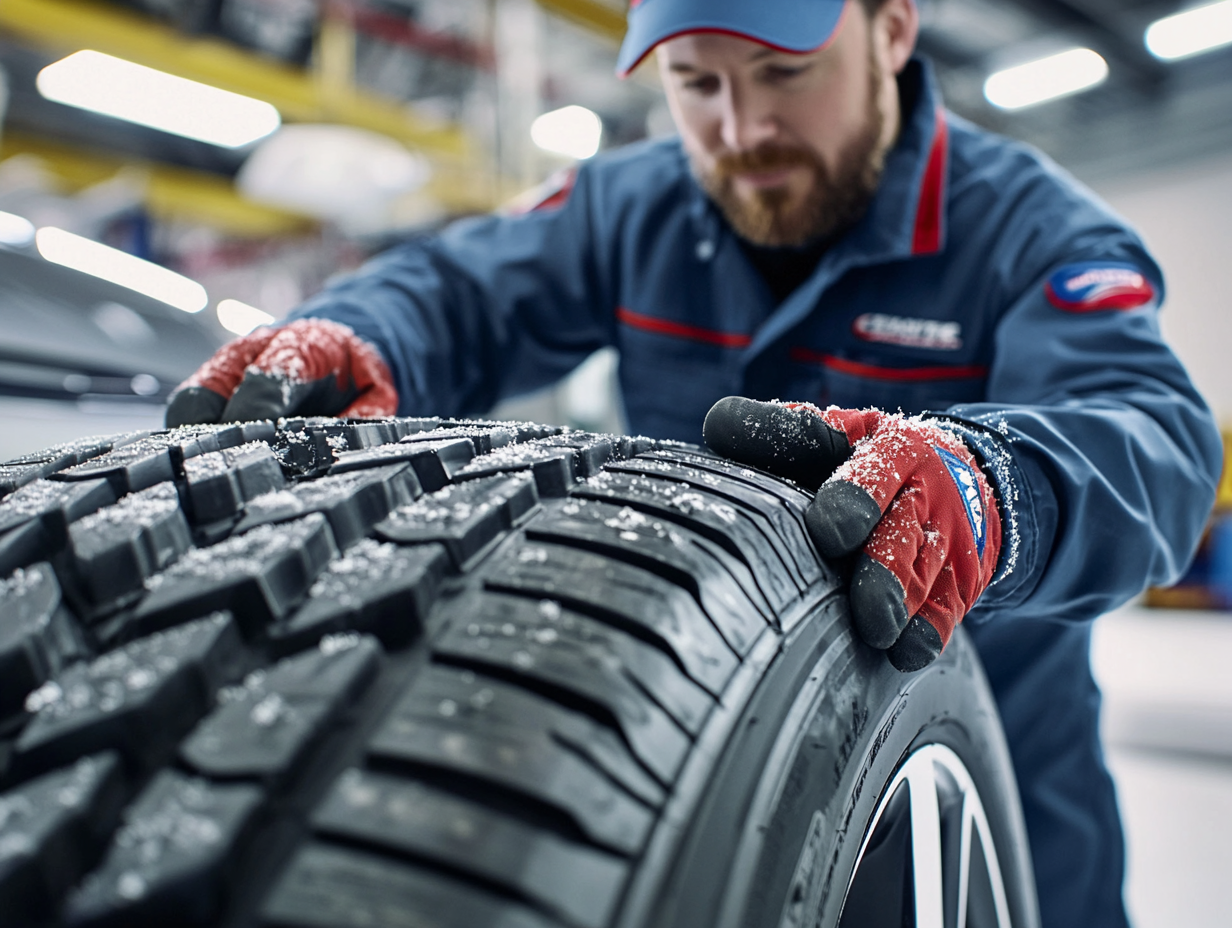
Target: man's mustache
x,y
764,158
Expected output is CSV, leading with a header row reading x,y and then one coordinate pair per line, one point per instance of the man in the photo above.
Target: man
x,y
823,230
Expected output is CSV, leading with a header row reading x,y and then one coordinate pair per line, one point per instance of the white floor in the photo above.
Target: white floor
x,y
1168,725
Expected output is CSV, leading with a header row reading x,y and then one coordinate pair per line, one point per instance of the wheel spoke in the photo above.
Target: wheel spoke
x,y
926,846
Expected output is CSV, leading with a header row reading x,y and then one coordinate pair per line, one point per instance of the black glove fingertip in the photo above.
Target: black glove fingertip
x,y
841,517
194,406
877,608
792,443
917,647
262,396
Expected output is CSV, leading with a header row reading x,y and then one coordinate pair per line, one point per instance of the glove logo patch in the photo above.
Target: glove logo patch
x,y
969,490
1092,286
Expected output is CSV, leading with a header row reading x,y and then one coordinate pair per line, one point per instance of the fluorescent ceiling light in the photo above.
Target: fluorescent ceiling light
x,y
1192,32
90,257
572,131
14,230
241,318
1046,79
115,87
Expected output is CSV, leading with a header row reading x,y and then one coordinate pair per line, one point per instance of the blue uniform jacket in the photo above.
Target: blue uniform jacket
x,y
984,284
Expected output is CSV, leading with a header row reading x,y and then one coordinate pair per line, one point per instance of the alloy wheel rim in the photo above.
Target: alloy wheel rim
x,y
930,822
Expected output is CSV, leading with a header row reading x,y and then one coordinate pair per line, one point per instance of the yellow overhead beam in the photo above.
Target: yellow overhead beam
x,y
211,199
170,192
603,18
69,25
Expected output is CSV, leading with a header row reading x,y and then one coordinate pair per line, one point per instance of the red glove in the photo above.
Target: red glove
x,y
906,490
310,367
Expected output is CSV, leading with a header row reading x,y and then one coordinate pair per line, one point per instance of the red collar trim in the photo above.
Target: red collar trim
x,y
930,210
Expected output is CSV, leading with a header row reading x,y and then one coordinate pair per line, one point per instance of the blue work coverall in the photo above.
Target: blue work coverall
x,y
983,284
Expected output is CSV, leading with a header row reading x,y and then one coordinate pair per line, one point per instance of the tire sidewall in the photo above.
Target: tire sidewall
x,y
805,810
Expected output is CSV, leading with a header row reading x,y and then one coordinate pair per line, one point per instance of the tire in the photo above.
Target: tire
x,y
413,672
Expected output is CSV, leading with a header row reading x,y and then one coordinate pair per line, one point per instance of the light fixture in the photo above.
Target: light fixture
x,y
572,131
115,87
119,267
241,318
14,230
1191,32
1048,78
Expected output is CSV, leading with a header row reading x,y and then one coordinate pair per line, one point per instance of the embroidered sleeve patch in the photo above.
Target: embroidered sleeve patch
x,y
1097,285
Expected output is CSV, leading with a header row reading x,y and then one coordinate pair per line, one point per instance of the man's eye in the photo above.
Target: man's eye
x,y
780,73
707,84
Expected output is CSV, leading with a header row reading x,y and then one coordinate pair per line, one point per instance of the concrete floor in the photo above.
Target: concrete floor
x,y
1168,726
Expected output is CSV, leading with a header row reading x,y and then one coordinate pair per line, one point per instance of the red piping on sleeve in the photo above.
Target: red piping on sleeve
x,y
930,211
691,333
895,374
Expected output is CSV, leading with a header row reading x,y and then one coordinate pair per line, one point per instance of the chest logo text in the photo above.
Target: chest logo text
x,y
937,334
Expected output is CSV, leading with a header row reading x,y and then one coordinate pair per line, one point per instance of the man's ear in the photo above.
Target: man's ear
x,y
896,27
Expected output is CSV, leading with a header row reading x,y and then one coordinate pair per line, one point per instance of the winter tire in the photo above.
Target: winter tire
x,y
413,672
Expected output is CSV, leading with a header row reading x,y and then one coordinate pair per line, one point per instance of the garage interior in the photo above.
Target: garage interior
x,y
394,117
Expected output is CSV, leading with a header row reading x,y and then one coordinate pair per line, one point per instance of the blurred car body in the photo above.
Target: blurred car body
x,y
82,356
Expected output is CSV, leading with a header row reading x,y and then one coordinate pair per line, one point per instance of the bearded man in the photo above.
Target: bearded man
x,y
823,230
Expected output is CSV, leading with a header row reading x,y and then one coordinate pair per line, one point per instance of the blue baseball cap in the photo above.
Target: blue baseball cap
x,y
789,25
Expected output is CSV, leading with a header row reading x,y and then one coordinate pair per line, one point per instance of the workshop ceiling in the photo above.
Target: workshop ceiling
x,y
426,71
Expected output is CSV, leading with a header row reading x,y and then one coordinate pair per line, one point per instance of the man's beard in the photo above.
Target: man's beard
x,y
832,204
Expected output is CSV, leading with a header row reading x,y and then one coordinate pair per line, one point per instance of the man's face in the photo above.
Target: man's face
x,y
790,146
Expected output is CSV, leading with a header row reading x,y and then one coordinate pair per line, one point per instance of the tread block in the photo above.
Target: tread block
x,y
138,699
554,467
670,550
344,434
751,491
796,498
352,502
543,780
524,431
631,597
219,482
129,468
34,519
484,438
377,588
724,523
260,576
537,642
32,541
116,549
435,462
263,729
465,517
38,636
592,451
53,499
573,881
172,859
511,710
332,887
305,452
22,470
51,831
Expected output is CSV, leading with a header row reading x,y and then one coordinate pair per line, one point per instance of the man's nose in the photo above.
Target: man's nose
x,y
746,122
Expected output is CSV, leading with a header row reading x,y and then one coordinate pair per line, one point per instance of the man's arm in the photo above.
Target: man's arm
x,y
443,325
1094,429
490,307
